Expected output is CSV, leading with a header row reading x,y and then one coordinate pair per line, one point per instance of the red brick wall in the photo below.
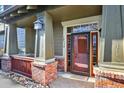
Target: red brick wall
x,y
44,74
60,64
109,79
38,73
50,72
6,64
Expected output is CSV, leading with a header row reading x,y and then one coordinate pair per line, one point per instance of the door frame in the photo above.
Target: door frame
x,y
66,24
91,51
72,56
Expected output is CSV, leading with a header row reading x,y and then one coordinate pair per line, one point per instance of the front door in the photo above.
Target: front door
x,y
80,54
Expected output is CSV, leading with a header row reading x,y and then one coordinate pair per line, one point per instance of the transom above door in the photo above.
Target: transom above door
x,y
83,28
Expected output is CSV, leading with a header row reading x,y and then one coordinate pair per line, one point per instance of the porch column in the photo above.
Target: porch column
x,y
112,48
11,46
44,69
112,34
30,40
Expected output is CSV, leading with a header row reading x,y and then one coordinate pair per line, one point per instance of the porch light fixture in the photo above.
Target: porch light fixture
x,y
38,24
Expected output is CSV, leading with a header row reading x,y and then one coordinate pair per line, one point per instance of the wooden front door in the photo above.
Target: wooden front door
x,y
80,54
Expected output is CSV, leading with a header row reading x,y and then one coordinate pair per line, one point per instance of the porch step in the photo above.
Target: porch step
x,y
76,77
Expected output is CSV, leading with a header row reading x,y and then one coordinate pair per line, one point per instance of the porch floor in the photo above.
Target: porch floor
x,y
64,80
69,80
5,82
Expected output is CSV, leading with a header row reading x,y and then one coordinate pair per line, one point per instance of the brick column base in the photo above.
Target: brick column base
x,y
6,63
44,73
60,63
106,78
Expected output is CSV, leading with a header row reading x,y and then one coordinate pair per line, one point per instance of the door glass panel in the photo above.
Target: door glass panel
x,y
80,50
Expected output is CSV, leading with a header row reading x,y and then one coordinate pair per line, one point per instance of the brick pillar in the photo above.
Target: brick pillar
x,y
44,67
60,63
44,73
6,63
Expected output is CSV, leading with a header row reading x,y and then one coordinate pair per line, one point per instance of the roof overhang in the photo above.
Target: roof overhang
x,y
18,12
10,9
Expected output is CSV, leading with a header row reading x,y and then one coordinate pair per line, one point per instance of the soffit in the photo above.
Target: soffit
x,y
27,21
74,12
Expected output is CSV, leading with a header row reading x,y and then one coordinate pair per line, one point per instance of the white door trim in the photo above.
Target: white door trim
x,y
81,21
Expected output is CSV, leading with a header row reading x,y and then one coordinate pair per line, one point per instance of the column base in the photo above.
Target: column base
x,y
60,63
6,63
109,77
43,72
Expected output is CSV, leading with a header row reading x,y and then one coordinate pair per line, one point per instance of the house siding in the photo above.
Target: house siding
x,y
58,39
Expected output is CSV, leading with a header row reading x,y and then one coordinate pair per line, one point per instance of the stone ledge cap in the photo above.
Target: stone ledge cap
x,y
112,65
42,61
110,73
6,56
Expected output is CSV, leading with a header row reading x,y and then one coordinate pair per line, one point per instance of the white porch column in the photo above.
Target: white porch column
x,y
11,46
36,53
45,62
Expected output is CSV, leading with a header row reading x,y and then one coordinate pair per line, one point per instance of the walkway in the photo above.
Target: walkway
x,y
68,80
64,80
5,82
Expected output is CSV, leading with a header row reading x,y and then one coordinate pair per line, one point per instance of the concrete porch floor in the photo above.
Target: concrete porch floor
x,y
5,82
69,80
64,80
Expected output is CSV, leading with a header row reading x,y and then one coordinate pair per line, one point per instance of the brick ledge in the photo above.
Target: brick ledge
x,y
109,73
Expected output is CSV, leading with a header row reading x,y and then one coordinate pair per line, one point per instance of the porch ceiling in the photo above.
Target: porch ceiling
x,y
27,21
74,12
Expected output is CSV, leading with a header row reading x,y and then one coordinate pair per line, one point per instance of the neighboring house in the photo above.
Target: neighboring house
x,y
85,40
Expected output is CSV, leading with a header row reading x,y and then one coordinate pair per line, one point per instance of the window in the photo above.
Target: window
x,y
85,28
1,8
21,40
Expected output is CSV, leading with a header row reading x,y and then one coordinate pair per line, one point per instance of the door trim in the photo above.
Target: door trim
x,y
65,24
91,51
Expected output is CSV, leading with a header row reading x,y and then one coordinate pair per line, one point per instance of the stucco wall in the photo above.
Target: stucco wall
x,y
58,38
